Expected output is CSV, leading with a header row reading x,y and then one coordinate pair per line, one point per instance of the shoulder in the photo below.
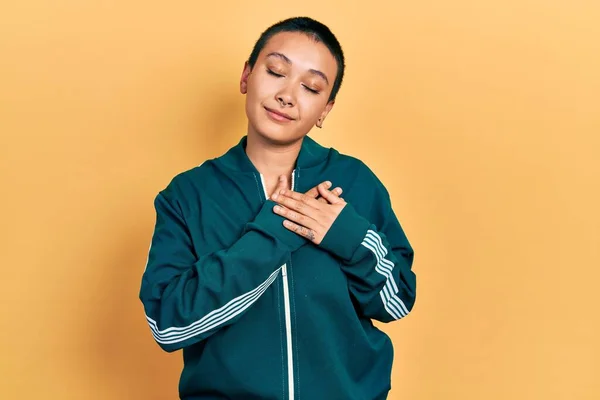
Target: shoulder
x,y
188,184
359,173
361,187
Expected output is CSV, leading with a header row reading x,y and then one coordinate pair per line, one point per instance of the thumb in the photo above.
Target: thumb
x,y
329,196
336,192
314,192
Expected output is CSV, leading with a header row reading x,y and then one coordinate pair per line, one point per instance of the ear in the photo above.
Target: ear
x,y
244,78
328,108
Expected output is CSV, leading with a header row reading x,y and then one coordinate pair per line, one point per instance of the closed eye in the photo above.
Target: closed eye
x,y
273,73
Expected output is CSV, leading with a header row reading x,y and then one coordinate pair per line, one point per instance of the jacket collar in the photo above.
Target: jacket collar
x,y
311,154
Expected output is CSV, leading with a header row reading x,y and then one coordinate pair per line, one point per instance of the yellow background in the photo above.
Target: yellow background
x,y
481,117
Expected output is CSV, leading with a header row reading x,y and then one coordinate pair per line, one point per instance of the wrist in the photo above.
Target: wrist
x,y
346,234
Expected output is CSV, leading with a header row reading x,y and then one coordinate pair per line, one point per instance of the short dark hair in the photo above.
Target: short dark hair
x,y
316,30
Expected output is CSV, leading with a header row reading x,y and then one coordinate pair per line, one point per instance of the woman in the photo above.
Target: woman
x,y
265,278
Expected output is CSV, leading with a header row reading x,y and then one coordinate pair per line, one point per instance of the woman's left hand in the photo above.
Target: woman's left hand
x,y
306,215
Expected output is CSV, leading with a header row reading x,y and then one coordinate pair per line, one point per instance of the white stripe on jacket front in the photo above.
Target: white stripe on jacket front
x,y
212,319
389,294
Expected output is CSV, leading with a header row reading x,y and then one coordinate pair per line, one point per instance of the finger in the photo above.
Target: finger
x,y
284,198
300,230
296,217
314,192
302,201
323,200
282,183
330,197
337,191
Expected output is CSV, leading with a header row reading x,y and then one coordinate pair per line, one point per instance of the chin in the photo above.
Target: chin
x,y
276,134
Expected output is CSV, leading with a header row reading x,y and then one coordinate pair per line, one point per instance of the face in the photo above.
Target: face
x,y
288,89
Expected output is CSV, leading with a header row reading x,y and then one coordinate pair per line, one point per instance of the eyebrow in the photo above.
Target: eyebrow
x,y
288,61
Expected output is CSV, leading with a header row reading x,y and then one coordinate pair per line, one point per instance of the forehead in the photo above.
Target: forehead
x,y
304,52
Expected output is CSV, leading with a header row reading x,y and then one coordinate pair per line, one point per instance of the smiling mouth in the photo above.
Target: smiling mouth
x,y
278,116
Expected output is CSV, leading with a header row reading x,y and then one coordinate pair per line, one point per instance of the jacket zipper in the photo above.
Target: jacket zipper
x,y
288,331
286,307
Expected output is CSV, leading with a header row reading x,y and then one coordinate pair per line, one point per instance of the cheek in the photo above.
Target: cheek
x,y
262,87
255,96
310,108
253,88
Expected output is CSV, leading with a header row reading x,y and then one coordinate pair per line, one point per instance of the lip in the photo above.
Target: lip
x,y
279,116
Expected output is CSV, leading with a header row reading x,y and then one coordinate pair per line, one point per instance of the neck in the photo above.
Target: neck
x,y
271,159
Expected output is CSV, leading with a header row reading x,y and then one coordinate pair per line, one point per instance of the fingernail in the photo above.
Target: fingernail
x,y
275,195
339,191
282,191
277,208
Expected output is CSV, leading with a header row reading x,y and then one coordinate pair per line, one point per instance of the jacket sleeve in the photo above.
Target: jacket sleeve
x,y
188,297
376,261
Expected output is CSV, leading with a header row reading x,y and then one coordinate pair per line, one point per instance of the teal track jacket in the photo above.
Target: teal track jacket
x,y
261,312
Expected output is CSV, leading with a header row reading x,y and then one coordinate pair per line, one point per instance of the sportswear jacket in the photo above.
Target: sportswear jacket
x,y
261,312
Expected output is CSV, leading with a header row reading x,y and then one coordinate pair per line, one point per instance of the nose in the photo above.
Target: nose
x,y
285,97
